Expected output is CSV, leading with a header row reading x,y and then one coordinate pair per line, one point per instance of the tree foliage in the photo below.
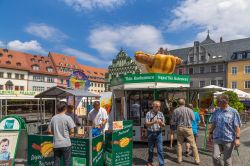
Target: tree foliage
x,y
234,101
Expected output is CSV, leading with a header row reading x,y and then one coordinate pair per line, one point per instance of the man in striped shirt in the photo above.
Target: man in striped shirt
x,y
155,121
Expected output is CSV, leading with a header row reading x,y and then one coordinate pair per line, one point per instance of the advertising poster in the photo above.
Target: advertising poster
x,y
106,101
8,142
119,145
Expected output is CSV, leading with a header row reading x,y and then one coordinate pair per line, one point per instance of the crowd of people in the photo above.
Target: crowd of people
x,y
224,131
62,126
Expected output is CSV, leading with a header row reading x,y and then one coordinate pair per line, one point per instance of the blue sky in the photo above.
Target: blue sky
x,y
95,30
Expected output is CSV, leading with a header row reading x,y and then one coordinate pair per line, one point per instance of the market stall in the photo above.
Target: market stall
x,y
133,95
86,150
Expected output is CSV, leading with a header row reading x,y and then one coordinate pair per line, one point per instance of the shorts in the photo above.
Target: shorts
x,y
173,127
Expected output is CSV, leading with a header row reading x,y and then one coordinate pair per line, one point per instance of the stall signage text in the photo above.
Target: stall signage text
x,y
151,77
12,92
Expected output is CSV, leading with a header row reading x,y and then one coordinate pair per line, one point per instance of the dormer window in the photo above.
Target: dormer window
x,y
47,62
35,67
239,56
1,54
32,59
8,62
35,56
50,69
191,59
10,56
40,61
95,72
18,64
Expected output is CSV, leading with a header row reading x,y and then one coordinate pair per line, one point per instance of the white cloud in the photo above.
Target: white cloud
x,y
107,40
227,18
31,45
85,56
81,5
46,32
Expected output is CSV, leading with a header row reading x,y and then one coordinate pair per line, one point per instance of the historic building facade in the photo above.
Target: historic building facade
x,y
238,75
121,65
206,62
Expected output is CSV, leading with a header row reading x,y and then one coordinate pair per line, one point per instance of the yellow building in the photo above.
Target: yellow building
x,y
238,75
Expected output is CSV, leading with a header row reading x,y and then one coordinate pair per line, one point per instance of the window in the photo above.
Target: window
x,y
22,88
248,55
8,62
98,85
181,71
247,84
239,56
220,83
8,87
35,67
16,88
1,74
213,69
32,59
191,59
191,71
202,69
102,85
9,75
38,88
50,79
10,56
1,87
247,69
40,61
61,81
234,85
203,58
234,70
17,76
47,62
95,84
50,69
220,68
202,84
1,54
22,76
38,78
213,82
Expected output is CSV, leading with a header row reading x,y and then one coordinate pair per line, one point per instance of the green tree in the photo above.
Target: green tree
x,y
234,101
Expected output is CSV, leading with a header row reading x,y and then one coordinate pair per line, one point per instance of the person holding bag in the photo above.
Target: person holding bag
x,y
155,121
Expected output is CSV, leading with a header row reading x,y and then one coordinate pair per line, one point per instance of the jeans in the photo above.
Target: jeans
x,y
64,152
155,138
226,148
186,133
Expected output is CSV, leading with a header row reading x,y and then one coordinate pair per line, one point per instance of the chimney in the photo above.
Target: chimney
x,y
221,40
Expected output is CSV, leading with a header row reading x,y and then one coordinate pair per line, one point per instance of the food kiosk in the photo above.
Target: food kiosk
x,y
86,150
133,95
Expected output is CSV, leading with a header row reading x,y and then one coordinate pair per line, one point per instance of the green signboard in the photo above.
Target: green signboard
x,y
40,151
151,77
119,145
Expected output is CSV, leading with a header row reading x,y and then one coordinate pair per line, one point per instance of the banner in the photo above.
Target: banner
x,y
8,142
78,80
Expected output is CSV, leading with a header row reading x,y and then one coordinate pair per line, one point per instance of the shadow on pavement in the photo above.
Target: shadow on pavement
x,y
246,143
137,161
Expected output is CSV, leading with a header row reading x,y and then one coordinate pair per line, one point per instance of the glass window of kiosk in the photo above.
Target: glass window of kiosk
x,y
134,108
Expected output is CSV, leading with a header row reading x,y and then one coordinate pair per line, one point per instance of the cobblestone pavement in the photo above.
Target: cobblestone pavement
x,y
140,153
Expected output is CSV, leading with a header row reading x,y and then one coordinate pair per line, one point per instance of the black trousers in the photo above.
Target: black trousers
x,y
64,152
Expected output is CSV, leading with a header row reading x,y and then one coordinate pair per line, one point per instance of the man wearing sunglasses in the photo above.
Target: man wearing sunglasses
x,y
155,121
225,131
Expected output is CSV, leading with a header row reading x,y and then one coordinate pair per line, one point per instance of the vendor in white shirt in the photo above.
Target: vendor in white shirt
x,y
97,117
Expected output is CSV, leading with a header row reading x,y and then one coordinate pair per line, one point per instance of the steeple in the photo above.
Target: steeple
x,y
208,40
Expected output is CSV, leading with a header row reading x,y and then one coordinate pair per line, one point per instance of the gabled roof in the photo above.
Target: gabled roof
x,y
223,49
43,62
13,59
63,61
95,74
